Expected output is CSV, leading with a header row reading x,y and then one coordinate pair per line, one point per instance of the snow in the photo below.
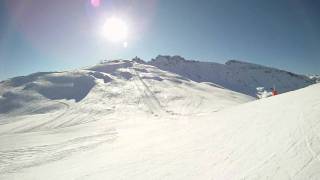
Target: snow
x,y
132,120
263,93
235,75
315,78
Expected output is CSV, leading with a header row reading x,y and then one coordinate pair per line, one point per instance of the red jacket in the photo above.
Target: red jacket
x,y
274,93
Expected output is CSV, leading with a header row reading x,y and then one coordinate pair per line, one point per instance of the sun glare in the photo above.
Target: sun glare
x,y
115,30
95,3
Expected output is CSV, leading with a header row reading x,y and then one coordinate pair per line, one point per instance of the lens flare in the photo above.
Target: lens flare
x,y
95,3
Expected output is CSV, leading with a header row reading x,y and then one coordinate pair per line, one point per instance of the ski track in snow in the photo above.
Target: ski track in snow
x,y
19,159
148,96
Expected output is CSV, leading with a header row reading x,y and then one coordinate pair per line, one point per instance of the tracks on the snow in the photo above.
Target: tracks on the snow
x,y
148,97
26,157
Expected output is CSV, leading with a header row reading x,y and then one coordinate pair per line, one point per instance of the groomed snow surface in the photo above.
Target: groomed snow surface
x,y
132,120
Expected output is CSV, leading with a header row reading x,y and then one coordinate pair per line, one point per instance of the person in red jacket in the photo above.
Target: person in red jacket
x,y
274,92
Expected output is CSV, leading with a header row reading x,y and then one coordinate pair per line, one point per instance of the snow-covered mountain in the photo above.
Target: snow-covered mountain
x,y
315,78
234,75
116,83
131,120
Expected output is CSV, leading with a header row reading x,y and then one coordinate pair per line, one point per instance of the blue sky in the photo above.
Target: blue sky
x,y
45,35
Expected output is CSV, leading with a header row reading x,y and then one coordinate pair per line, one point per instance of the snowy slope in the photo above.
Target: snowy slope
x,y
50,117
235,75
135,85
112,134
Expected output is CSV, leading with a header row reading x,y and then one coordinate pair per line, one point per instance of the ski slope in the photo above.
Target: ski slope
x,y
115,85
131,120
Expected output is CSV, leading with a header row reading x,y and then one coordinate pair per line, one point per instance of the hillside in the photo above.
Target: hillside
x,y
234,75
130,120
117,85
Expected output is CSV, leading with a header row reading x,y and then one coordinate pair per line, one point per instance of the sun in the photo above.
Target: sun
x,y
115,30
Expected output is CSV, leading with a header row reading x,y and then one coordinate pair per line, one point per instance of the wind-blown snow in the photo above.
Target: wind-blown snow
x,y
131,120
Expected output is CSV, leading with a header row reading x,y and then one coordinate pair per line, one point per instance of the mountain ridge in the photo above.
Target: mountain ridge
x,y
149,85
236,75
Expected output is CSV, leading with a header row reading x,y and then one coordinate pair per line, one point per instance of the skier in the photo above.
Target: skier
x,y
274,91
